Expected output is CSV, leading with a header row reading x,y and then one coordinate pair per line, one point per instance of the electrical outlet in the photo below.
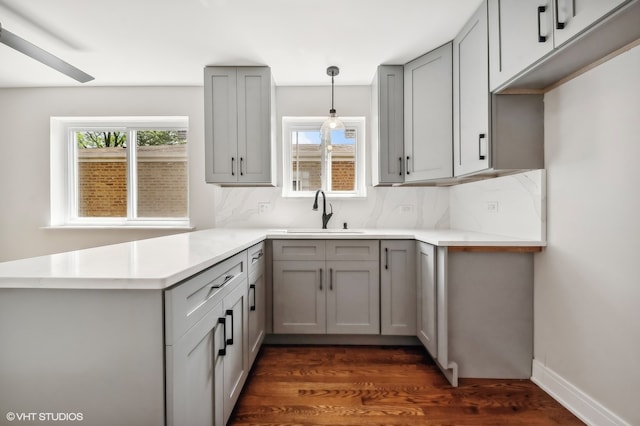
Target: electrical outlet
x,y
264,207
492,206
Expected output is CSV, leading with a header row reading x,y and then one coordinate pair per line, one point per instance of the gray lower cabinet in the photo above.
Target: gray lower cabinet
x,y
353,297
398,287
257,295
236,359
207,343
426,297
299,301
325,287
484,313
195,371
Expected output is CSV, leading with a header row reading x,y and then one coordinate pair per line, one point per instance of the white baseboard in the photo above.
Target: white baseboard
x,y
573,399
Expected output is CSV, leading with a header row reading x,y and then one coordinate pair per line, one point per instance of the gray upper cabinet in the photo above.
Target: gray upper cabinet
x,y
491,133
521,32
573,16
428,116
471,95
238,125
387,141
535,43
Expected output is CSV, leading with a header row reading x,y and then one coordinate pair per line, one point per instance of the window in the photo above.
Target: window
x,y
335,165
119,171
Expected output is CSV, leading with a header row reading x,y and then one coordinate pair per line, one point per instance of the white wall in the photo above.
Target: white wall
x,y
587,281
24,161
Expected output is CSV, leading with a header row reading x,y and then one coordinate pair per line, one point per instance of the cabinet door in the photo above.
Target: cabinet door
x,y
254,124
257,307
353,297
428,116
427,311
388,122
471,95
221,124
398,288
299,301
520,33
194,369
257,299
574,16
236,364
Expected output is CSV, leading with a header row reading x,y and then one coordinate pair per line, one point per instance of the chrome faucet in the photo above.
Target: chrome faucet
x,y
325,216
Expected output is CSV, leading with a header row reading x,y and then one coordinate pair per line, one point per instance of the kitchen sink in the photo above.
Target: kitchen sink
x,y
322,231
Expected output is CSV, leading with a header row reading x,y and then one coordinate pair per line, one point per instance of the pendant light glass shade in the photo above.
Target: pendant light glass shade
x,y
333,122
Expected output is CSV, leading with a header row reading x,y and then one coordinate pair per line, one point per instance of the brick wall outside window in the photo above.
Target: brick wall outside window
x,y
162,182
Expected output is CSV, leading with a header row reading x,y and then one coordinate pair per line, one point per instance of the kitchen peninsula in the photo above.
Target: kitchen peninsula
x,y
100,331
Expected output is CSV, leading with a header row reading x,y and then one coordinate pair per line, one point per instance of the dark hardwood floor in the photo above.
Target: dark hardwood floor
x,y
344,385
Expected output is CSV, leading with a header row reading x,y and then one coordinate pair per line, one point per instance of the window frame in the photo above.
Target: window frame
x,y
64,171
290,123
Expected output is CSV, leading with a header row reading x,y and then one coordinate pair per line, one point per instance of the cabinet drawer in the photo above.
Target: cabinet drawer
x,y
298,249
255,257
352,250
188,302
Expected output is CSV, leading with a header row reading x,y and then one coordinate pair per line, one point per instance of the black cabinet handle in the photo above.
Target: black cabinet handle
x,y
331,279
223,321
233,166
408,165
257,257
386,258
480,137
541,10
559,25
227,278
320,279
253,305
229,312
241,166
400,172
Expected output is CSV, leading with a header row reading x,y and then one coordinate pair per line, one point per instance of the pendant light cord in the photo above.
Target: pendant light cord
x,y
332,108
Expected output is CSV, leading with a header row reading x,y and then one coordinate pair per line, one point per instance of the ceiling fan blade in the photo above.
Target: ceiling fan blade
x,y
30,49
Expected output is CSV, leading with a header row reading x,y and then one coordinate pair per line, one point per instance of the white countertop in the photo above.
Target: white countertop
x,y
158,263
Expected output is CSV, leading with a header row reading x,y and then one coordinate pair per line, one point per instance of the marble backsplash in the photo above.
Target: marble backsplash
x,y
512,205
519,200
382,208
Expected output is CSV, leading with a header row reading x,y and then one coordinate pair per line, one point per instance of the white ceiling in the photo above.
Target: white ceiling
x,y
168,42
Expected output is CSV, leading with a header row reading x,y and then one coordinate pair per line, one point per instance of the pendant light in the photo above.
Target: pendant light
x,y
333,122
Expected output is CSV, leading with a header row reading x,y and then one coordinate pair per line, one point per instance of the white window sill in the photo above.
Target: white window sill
x,y
120,226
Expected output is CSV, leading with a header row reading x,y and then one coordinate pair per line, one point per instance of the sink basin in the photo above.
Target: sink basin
x,y
322,231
